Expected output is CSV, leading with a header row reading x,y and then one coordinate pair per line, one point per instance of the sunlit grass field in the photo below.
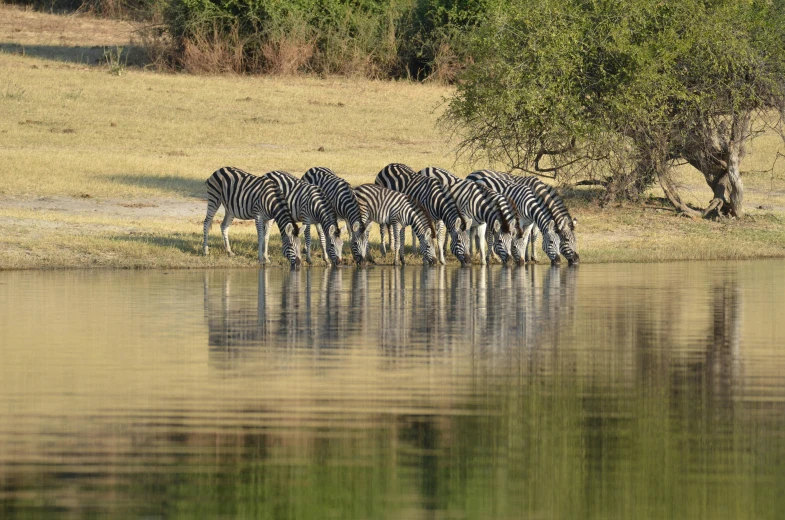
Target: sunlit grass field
x,y
92,145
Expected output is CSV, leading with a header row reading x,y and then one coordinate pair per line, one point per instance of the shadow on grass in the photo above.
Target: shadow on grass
x,y
171,183
244,247
190,244
131,56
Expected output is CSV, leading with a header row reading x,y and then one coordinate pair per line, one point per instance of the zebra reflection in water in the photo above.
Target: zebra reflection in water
x,y
409,311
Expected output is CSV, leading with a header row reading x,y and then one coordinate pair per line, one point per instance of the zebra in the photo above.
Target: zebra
x,y
342,196
397,177
531,211
246,196
547,197
396,210
493,218
439,202
309,205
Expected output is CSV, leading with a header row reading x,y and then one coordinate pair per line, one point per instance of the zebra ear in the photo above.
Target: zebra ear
x,y
574,222
468,221
356,227
497,226
332,231
288,229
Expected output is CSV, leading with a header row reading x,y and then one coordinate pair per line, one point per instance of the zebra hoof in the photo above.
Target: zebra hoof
x,y
231,255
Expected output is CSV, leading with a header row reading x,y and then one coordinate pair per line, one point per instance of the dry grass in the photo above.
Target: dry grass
x,y
28,27
88,142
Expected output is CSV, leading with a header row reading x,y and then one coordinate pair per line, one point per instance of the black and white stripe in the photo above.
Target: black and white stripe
x,y
309,205
531,212
549,200
344,201
248,197
396,210
493,221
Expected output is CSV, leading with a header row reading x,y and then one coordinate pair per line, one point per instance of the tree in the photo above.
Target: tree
x,y
621,91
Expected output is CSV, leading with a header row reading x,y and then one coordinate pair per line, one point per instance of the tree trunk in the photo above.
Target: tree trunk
x,y
716,151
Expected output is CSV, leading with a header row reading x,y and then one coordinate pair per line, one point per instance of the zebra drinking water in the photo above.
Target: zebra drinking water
x,y
397,177
344,201
248,197
309,205
396,210
494,222
439,202
531,211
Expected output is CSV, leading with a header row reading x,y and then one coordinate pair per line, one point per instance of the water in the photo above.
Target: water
x,y
606,391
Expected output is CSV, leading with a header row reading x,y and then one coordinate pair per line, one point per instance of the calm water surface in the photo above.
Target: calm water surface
x,y
606,391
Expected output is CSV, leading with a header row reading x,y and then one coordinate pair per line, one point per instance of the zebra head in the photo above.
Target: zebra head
x,y
290,244
519,242
459,245
551,243
334,244
428,247
502,243
568,246
359,243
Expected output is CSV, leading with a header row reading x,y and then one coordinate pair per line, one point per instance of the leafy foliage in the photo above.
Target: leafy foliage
x,y
618,89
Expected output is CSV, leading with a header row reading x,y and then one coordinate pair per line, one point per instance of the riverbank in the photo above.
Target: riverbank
x,y
72,232
105,166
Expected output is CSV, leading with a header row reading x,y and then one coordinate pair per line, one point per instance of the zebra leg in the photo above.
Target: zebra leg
x,y
489,244
414,242
368,251
307,233
400,231
527,236
398,237
441,230
262,231
533,240
480,232
228,218
323,242
382,229
212,208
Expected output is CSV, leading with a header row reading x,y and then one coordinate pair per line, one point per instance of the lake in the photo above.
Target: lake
x,y
602,391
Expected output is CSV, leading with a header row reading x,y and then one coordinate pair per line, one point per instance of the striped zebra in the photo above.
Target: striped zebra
x,y
494,222
397,177
548,198
531,212
309,205
342,197
395,210
439,202
246,197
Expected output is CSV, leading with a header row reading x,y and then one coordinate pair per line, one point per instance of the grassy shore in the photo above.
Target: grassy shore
x,y
107,170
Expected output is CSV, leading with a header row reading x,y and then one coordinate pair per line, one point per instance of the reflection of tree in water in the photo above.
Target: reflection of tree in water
x,y
707,381
420,436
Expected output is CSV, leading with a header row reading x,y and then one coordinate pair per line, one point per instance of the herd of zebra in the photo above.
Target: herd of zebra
x,y
501,213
